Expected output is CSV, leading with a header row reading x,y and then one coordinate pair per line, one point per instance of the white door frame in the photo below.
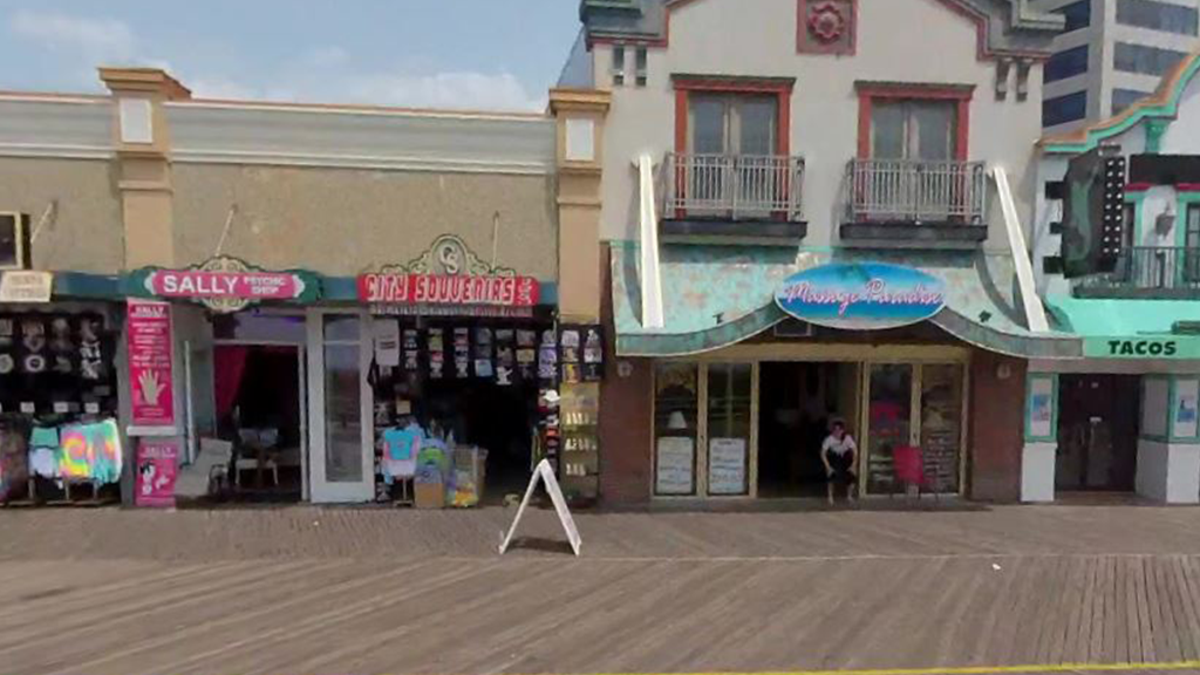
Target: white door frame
x,y
321,490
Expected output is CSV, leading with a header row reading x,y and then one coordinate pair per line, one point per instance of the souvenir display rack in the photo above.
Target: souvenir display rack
x,y
58,399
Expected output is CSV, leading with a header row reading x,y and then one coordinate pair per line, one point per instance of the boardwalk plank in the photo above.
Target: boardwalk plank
x,y
1145,624
1187,592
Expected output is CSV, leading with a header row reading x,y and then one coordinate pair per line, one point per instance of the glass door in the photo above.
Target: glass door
x,y
341,456
889,423
730,394
914,428
1191,246
941,426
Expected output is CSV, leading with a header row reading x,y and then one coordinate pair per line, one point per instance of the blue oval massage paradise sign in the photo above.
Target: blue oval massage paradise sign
x,y
862,296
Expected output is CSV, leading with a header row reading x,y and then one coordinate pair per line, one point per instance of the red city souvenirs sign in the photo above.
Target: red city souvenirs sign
x,y
443,289
228,284
449,280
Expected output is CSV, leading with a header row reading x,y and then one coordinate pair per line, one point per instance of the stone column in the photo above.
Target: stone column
x,y
143,145
580,119
143,169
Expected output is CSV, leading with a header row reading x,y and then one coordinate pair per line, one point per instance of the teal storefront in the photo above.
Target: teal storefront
x,y
1125,418
761,348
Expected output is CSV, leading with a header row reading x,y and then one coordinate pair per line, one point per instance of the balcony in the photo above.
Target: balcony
x,y
733,195
919,200
1147,272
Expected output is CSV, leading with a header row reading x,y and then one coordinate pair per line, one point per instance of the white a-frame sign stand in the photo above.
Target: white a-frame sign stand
x,y
545,473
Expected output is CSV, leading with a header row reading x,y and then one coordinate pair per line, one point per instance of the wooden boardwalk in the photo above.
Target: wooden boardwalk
x,y
689,592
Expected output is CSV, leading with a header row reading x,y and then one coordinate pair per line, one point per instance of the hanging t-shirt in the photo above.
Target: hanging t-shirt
x,y
400,451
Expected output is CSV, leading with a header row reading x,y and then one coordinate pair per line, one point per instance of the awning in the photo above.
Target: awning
x,y
715,296
1129,329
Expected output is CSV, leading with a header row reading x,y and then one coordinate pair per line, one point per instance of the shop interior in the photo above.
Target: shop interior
x,y
470,385
909,435
258,403
1097,433
797,403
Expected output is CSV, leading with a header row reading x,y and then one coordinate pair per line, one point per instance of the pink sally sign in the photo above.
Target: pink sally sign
x,y
150,367
225,284
157,469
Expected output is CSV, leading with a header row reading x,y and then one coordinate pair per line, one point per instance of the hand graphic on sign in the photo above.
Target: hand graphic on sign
x,y
151,388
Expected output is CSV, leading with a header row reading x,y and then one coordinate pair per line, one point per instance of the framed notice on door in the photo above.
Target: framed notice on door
x,y
675,473
727,466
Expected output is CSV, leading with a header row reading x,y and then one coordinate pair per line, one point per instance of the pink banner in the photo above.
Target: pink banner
x,y
243,285
150,374
157,468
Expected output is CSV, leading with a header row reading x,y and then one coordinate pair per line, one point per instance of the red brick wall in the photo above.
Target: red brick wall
x,y
997,420
625,434
626,416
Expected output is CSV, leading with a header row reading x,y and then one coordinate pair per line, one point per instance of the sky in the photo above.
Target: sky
x,y
473,54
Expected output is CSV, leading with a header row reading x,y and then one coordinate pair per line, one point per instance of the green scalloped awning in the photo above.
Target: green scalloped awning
x,y
716,296
1129,329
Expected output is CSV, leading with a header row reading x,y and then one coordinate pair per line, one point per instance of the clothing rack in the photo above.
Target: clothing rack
x,y
64,486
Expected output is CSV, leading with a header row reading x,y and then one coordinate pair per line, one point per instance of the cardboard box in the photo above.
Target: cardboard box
x,y
429,495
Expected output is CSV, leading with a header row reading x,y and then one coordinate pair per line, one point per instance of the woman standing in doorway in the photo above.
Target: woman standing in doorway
x,y
839,454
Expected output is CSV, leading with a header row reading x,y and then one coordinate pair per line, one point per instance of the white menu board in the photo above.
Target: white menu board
x,y
727,466
676,462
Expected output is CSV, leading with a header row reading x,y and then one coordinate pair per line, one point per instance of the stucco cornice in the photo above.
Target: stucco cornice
x,y
1006,28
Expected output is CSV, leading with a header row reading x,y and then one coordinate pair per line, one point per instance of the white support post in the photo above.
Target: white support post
x,y
651,276
1035,313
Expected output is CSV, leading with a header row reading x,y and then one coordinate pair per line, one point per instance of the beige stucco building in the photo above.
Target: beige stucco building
x,y
298,248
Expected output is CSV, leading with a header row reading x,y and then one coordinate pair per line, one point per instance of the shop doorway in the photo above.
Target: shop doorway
x,y
1097,433
797,402
259,402
498,419
470,384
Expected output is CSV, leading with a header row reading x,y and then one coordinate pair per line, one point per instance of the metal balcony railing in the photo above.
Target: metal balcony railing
x,y
901,190
740,187
1142,269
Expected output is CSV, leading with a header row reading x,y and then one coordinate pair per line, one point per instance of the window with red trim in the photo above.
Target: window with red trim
x,y
913,129
915,122
731,148
732,124
732,115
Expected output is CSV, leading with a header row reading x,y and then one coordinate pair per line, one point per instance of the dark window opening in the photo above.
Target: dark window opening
x,y
1124,98
1161,16
1078,15
1063,109
1131,58
1066,64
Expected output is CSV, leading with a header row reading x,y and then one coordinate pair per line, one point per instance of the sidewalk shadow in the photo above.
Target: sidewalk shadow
x,y
804,505
540,545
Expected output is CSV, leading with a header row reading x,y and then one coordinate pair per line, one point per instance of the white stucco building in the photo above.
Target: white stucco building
x,y
1126,417
751,143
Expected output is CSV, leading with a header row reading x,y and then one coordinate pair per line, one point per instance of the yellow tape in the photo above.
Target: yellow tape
x,y
980,670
